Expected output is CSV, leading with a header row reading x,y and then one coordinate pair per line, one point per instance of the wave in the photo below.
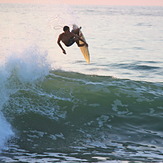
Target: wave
x,y
72,99
53,108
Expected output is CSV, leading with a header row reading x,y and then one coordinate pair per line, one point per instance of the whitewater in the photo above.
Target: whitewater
x,y
58,108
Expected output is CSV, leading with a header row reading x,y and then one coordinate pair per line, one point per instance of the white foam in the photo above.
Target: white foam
x,y
29,65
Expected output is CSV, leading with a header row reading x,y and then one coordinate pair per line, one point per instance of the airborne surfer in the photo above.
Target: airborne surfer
x,y
69,38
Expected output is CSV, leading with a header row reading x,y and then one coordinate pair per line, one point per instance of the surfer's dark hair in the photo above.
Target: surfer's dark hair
x,y
65,28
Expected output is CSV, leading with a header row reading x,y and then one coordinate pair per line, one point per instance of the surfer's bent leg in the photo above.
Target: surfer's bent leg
x,y
80,45
76,31
77,42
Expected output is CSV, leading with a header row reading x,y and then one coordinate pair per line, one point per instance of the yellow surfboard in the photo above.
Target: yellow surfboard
x,y
84,49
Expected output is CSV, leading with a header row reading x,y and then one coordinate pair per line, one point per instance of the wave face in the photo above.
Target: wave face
x,y
72,116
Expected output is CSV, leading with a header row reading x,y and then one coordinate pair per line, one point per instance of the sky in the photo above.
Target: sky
x,y
95,2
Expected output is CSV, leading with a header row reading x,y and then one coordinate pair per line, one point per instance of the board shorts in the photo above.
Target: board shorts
x,y
71,41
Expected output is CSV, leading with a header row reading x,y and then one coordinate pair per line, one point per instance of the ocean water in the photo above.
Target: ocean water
x,y
58,108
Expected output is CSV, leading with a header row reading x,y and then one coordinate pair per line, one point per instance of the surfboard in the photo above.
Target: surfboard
x,y
84,49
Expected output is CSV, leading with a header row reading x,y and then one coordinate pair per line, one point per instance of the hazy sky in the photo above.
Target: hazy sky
x,y
96,2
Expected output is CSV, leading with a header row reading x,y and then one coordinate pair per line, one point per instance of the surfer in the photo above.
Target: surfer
x,y
69,38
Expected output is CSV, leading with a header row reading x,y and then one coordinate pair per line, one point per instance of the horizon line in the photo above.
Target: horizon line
x,y
88,2
84,4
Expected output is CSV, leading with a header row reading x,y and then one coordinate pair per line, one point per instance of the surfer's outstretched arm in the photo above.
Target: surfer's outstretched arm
x,y
77,41
83,41
59,40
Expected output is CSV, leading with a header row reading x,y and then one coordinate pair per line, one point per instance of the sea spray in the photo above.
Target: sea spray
x,y
29,65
